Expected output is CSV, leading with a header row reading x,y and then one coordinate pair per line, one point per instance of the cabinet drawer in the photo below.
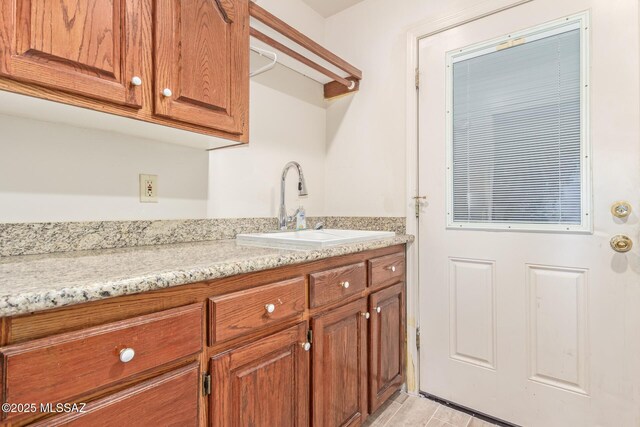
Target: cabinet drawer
x,y
57,368
170,399
243,312
386,270
334,285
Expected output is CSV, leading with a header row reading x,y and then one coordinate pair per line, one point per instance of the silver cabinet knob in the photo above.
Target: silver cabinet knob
x,y
166,92
136,81
306,346
126,355
270,308
378,309
392,268
365,315
345,285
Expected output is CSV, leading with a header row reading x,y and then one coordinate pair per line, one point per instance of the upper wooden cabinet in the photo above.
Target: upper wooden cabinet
x,y
202,62
90,48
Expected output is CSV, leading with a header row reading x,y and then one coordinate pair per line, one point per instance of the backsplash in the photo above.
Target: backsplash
x,y
39,238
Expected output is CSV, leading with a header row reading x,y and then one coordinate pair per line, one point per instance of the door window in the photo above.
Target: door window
x,y
517,142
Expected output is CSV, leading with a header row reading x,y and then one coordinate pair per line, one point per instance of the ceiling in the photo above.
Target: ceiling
x,y
327,8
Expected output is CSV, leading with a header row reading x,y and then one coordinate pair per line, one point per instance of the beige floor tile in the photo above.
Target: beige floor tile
x,y
476,422
438,423
383,414
415,412
451,416
400,397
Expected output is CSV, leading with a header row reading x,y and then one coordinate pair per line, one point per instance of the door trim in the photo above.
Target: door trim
x,y
422,30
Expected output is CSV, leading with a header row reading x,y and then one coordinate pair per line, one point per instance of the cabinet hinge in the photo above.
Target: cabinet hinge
x,y
206,384
417,78
310,336
418,338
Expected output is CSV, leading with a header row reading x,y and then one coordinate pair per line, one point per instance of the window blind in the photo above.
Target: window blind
x,y
516,134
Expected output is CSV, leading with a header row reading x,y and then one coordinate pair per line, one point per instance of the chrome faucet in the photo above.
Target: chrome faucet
x,y
283,218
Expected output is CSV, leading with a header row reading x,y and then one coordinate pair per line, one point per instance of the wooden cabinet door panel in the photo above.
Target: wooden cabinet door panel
x,y
387,344
202,58
339,381
263,384
168,400
88,47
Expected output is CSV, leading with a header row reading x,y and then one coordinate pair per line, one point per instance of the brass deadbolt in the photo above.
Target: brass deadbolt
x,y
621,209
621,243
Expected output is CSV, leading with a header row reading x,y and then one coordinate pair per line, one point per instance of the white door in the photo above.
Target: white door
x,y
532,320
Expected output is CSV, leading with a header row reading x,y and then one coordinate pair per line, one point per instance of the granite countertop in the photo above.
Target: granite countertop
x,y
38,282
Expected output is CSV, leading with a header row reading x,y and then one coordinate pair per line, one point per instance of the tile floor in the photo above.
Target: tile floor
x,y
403,410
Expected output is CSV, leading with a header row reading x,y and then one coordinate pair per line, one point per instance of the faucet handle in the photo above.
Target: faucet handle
x,y
319,225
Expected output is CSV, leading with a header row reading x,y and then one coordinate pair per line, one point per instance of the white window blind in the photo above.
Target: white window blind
x,y
516,142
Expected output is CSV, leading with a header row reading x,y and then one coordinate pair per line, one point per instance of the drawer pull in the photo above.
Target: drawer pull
x,y
136,81
378,310
306,346
392,268
270,308
126,355
344,285
166,92
366,315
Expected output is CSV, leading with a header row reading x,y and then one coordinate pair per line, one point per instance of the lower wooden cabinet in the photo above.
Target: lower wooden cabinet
x,y
386,344
140,360
168,400
263,384
339,384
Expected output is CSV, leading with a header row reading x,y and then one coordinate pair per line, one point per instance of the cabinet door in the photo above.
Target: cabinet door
x,y
89,47
202,62
387,344
168,400
339,381
263,384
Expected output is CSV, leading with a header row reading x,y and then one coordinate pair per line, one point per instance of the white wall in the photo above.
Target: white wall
x,y
287,121
366,156
55,172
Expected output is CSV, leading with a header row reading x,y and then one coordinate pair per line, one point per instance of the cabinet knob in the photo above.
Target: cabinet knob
x,y
136,81
270,308
166,92
126,355
392,268
306,346
344,285
365,315
378,309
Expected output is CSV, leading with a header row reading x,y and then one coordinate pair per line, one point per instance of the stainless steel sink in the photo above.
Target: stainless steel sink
x,y
310,239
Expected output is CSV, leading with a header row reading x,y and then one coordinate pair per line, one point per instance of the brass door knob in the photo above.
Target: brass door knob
x,y
621,209
621,243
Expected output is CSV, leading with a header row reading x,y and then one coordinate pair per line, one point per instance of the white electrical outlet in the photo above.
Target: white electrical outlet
x,y
148,188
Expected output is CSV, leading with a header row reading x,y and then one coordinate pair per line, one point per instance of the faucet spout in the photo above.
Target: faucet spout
x,y
283,218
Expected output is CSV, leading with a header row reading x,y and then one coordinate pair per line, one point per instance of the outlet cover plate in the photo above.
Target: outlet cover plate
x,y
148,188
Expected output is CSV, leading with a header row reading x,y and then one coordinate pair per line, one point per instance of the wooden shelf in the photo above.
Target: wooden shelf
x,y
340,85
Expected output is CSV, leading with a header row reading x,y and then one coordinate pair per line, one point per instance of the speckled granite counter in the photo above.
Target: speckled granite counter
x,y
39,282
